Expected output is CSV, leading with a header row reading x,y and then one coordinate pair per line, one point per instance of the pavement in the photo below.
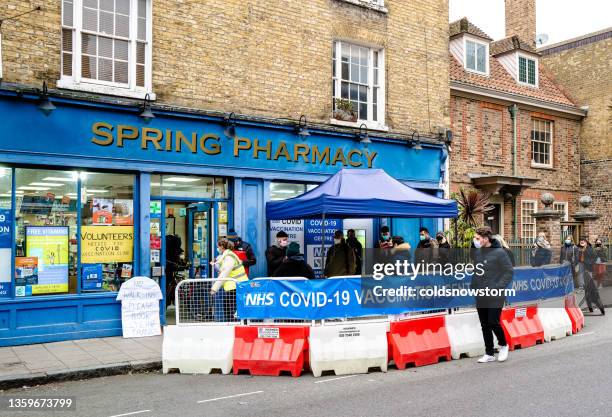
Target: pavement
x,y
569,377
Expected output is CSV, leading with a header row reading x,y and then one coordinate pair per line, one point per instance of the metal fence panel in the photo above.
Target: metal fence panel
x,y
196,304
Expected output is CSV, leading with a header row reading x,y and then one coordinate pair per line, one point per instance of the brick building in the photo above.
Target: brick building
x,y
516,133
582,66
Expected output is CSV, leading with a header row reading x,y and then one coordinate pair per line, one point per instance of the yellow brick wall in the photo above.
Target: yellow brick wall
x,y
264,57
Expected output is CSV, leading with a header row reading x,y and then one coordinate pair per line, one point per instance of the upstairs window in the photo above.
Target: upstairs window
x,y
527,68
358,84
476,56
106,45
541,143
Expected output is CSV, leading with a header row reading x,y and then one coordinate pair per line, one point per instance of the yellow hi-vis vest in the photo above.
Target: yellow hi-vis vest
x,y
238,272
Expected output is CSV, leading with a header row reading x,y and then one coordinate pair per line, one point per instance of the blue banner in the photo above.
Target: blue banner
x,y
358,297
6,224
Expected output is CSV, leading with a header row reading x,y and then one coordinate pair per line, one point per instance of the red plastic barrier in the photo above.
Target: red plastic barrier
x,y
574,312
522,331
268,350
421,341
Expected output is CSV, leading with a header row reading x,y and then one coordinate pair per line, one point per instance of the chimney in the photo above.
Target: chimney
x,y
521,20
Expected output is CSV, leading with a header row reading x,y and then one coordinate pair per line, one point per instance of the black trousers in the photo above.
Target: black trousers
x,y
490,324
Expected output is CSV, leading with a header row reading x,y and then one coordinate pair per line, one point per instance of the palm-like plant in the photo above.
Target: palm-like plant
x,y
473,204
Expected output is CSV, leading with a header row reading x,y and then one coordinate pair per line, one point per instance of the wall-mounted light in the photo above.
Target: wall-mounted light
x,y
145,109
415,143
301,129
448,139
44,104
362,135
230,125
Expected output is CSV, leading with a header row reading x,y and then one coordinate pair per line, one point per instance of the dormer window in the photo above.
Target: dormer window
x,y
527,70
476,56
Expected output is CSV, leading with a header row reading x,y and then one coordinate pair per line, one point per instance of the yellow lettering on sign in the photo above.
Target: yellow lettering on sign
x,y
102,244
352,162
301,149
319,157
241,144
191,144
282,149
214,149
126,132
97,130
168,140
339,156
257,148
370,157
158,136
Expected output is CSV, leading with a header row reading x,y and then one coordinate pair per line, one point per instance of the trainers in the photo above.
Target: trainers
x,y
503,353
486,358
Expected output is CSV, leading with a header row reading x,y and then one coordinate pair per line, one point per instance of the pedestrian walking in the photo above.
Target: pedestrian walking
x,y
276,254
340,258
497,274
357,247
586,259
541,253
599,267
569,253
294,264
223,291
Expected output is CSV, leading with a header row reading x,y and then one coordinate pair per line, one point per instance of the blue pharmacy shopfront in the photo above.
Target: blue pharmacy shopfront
x,y
92,195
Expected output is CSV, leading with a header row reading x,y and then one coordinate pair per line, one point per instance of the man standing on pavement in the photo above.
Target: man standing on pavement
x,y
427,249
276,254
357,247
497,274
340,258
243,249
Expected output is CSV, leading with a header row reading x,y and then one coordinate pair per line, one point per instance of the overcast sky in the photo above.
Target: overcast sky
x,y
559,19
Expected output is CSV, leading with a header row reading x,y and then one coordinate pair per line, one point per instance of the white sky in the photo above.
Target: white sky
x,y
559,19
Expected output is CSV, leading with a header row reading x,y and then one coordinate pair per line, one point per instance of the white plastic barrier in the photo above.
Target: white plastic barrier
x,y
554,319
465,334
198,349
348,348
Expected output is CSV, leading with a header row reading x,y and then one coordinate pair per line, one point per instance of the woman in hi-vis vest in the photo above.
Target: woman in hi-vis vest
x,y
229,266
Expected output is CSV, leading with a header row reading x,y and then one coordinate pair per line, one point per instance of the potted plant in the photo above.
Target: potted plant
x,y
344,111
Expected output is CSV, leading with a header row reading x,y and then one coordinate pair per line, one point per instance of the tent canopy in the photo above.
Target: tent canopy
x,y
352,193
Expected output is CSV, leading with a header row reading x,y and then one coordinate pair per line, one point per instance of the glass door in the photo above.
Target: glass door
x,y
201,238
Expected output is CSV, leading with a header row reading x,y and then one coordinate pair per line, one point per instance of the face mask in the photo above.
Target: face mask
x,y
219,250
568,242
422,237
540,239
598,244
476,243
337,241
283,243
385,237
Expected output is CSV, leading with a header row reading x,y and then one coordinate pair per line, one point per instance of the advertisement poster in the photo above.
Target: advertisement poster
x,y
126,271
6,222
124,212
92,277
102,210
106,244
314,230
26,275
50,245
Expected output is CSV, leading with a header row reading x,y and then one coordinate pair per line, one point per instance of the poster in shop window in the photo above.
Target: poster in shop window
x,y
102,210
106,244
26,275
6,222
124,212
49,244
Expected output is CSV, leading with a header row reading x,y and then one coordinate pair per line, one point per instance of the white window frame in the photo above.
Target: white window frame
x,y
76,82
378,5
531,221
565,209
551,145
518,70
379,124
467,39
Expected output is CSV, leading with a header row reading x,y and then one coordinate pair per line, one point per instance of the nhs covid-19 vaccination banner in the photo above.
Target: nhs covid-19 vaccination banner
x,y
358,297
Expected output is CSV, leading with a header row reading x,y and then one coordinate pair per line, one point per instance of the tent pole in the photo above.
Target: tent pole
x,y
322,243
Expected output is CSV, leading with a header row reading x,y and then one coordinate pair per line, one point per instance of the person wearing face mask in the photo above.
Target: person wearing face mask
x,y
599,267
541,252
427,249
444,248
586,259
497,274
385,239
340,258
569,253
276,254
223,292
294,264
355,244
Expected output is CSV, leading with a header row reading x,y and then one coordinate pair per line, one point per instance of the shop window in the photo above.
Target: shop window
x,y
6,224
106,46
107,230
186,186
286,190
46,232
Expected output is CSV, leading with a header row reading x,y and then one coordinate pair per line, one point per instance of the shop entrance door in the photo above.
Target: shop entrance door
x,y
201,245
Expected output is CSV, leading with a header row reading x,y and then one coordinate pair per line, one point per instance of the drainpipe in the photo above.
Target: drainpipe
x,y
513,113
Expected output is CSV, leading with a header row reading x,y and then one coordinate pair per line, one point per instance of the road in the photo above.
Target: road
x,y
569,377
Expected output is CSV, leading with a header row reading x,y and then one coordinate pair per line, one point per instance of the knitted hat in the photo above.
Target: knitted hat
x,y
232,235
293,249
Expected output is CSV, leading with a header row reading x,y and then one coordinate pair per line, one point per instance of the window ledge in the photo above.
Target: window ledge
x,y
492,164
368,4
357,124
103,89
540,166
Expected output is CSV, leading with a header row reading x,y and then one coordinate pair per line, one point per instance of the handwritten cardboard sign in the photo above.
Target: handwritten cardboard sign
x,y
139,298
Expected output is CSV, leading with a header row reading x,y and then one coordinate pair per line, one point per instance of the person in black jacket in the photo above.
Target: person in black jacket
x,y
497,274
355,244
242,246
275,254
541,252
444,249
294,265
586,259
569,253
